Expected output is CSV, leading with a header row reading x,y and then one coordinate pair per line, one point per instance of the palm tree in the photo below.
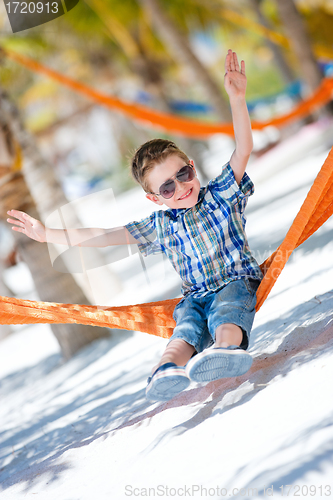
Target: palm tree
x,y
50,285
181,50
145,66
4,290
300,41
47,190
281,62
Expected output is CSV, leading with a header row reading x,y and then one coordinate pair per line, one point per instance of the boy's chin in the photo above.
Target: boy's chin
x,y
186,203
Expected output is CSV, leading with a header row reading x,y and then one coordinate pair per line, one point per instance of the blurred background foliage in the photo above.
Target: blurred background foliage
x,y
115,46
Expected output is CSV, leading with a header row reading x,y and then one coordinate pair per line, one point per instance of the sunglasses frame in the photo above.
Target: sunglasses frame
x,y
173,180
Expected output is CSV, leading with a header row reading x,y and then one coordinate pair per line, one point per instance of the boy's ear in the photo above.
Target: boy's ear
x,y
191,162
154,199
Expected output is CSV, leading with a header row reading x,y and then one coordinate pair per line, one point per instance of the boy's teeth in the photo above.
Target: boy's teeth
x,y
185,194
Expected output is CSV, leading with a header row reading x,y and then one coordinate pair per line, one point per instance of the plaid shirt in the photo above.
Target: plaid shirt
x,y
206,244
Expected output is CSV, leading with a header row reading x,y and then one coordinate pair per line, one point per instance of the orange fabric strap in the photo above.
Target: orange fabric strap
x,y
316,209
154,317
173,123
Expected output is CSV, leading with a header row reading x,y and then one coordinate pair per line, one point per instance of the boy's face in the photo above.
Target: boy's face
x,y
186,193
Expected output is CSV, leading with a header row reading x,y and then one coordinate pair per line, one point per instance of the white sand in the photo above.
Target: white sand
x,y
83,430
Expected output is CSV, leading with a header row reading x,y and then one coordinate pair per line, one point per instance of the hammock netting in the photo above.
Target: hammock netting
x,y
156,317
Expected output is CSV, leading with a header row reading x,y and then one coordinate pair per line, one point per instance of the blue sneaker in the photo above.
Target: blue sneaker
x,y
218,362
166,382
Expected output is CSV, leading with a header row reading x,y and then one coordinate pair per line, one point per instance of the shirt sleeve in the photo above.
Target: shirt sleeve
x,y
144,232
227,187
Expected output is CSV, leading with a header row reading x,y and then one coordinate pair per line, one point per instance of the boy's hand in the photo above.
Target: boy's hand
x,y
234,78
27,225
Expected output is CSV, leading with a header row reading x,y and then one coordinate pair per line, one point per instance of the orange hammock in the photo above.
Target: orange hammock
x,y
156,317
173,123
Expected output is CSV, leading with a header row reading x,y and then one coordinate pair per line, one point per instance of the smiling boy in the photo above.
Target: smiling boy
x,y
202,232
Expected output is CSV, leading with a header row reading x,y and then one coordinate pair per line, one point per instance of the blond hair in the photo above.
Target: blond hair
x,y
150,154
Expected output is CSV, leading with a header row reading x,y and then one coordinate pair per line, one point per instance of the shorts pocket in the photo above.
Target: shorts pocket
x,y
251,284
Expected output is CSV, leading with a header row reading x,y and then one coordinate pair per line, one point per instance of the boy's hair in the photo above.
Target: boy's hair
x,y
150,154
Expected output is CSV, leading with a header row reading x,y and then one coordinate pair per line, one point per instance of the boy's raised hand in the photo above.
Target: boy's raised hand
x,y
24,223
234,78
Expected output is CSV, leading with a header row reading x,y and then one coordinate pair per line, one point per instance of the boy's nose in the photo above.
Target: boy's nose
x,y
178,185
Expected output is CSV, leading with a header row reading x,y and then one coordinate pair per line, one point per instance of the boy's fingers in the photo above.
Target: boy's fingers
x,y
232,62
243,67
227,62
236,61
12,221
17,213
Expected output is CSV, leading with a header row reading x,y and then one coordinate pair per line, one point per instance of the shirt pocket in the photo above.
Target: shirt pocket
x,y
215,217
172,228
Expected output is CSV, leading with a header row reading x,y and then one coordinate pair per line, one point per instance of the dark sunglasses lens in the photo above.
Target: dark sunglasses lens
x,y
185,174
167,190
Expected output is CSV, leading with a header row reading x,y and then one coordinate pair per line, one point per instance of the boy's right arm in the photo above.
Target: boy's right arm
x,y
85,237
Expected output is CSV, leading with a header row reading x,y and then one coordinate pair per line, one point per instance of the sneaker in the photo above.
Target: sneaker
x,y
218,362
166,382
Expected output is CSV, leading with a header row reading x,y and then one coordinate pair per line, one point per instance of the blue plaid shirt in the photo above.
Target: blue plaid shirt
x,y
206,244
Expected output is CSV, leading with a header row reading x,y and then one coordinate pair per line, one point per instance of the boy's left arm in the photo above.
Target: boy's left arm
x,y
235,85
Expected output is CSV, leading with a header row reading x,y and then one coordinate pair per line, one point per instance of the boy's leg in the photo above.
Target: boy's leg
x,y
230,319
228,334
190,335
178,351
168,377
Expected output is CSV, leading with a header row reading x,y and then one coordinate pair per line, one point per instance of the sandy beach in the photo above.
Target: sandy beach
x,y
83,430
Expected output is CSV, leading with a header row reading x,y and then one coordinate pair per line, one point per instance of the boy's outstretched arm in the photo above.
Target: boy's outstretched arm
x,y
235,86
85,237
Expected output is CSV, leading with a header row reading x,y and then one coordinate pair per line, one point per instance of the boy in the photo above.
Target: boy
x,y
203,235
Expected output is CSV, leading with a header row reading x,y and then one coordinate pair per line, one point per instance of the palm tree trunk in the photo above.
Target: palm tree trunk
x,y
152,78
5,330
50,285
147,69
180,47
47,191
281,62
300,41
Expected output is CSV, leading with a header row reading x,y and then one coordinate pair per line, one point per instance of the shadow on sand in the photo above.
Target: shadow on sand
x,y
110,403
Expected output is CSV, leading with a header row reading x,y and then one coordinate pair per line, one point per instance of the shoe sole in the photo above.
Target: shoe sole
x,y
217,364
165,386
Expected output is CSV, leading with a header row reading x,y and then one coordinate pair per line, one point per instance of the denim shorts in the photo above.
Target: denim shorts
x,y
198,317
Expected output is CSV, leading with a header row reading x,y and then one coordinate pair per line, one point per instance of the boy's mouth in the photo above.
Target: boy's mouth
x,y
186,195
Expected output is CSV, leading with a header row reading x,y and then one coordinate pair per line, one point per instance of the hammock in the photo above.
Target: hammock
x,y
156,317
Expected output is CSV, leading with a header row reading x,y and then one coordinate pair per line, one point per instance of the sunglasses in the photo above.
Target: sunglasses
x,y
168,188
